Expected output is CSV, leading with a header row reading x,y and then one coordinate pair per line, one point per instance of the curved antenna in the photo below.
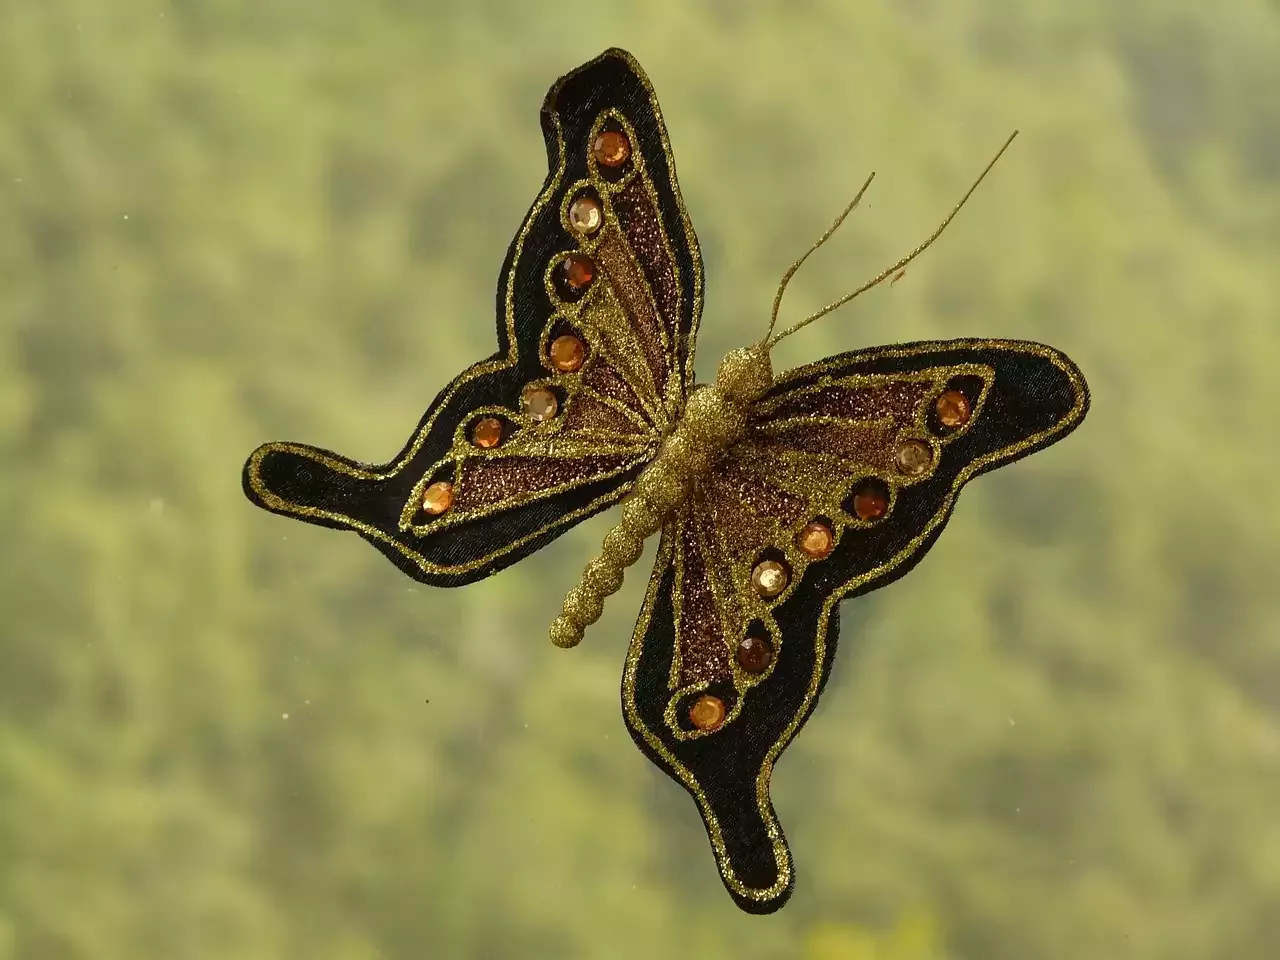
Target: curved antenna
x,y
888,271
791,272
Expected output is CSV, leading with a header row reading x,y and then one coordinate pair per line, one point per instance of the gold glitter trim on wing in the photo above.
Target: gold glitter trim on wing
x,y
781,855
600,383
861,397
705,637
563,460
622,312
600,401
589,415
606,322
672,183
633,209
636,300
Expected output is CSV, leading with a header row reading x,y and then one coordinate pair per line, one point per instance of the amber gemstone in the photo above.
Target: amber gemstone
x,y
769,578
755,654
578,270
816,540
953,409
437,498
539,403
707,712
567,353
585,215
870,502
487,433
913,457
611,148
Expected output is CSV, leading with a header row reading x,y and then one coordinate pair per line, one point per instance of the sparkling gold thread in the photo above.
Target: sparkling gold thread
x,y
792,270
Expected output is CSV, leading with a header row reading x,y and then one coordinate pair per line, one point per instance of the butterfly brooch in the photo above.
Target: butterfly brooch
x,y
776,497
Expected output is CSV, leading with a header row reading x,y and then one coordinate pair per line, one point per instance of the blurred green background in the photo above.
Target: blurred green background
x,y
225,734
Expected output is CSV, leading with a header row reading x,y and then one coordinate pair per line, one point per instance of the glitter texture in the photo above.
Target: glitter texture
x,y
606,381
865,444
738,483
898,400
487,481
704,655
588,412
643,227
634,296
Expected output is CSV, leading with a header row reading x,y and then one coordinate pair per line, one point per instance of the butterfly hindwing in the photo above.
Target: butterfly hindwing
x,y
848,472
608,337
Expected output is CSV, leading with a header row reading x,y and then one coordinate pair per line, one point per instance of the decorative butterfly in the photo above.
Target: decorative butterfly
x,y
776,497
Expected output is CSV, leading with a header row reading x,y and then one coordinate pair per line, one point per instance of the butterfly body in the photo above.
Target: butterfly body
x,y
776,497
714,419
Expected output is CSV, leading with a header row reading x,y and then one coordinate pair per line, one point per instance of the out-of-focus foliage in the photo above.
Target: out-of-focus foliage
x,y
227,735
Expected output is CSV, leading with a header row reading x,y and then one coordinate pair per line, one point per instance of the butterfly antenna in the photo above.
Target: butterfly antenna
x,y
770,340
791,271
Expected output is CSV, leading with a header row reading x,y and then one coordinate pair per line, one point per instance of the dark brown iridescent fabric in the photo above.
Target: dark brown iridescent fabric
x,y
488,481
703,653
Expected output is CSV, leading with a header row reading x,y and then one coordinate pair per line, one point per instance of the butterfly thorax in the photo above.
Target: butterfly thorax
x,y
714,417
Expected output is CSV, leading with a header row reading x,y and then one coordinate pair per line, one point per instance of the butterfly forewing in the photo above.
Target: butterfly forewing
x,y
598,304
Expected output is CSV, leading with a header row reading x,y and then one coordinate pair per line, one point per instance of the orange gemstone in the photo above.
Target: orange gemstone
x,y
585,215
816,540
578,270
755,654
707,712
567,353
953,409
769,578
487,433
539,403
437,498
611,148
913,457
870,502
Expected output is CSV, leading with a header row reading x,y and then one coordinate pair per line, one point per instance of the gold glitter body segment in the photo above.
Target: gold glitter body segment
x,y
775,497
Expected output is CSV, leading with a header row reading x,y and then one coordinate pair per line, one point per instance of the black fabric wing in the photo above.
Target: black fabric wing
x,y
825,446
635,315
